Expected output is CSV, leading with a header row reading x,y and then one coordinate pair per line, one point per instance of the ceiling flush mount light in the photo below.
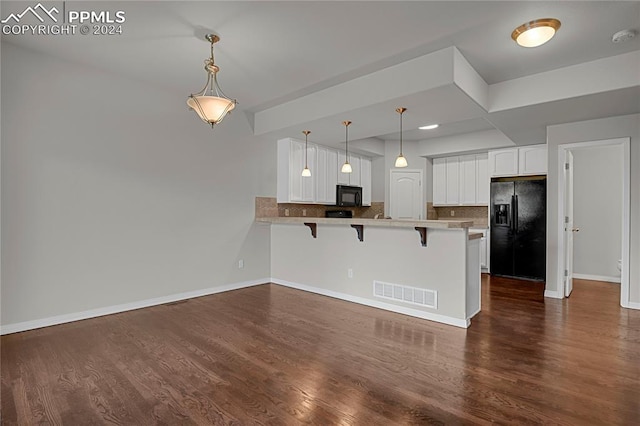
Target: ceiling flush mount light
x,y
211,104
535,33
429,127
346,167
306,172
401,161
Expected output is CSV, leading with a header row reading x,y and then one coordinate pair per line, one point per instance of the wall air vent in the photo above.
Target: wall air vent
x,y
406,294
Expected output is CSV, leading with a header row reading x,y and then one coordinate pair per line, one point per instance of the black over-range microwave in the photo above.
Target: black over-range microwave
x,y
348,196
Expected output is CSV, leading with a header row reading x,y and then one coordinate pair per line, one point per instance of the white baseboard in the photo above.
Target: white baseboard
x,y
376,304
632,305
553,294
597,278
108,310
473,314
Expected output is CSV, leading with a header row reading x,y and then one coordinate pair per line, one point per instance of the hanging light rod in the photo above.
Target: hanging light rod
x,y
346,167
306,172
214,106
401,161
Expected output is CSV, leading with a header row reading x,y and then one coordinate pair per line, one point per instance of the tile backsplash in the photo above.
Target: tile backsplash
x,y
479,214
269,207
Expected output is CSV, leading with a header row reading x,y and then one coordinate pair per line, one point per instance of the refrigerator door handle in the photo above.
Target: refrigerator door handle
x,y
515,216
512,221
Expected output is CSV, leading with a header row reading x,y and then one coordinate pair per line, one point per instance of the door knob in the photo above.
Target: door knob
x,y
575,229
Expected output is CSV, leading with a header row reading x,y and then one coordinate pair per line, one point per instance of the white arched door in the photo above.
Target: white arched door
x,y
405,194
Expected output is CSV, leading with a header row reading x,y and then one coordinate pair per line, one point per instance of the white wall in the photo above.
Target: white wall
x,y
113,192
597,195
392,255
605,128
378,174
480,141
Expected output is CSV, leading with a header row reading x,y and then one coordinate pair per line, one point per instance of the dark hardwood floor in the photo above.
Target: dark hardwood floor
x,y
273,355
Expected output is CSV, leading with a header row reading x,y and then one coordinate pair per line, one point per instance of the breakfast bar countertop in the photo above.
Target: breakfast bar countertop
x,y
394,223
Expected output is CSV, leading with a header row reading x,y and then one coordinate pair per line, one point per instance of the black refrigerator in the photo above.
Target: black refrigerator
x,y
519,227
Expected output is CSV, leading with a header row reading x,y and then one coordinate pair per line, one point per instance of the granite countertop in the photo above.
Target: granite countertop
x,y
475,235
394,223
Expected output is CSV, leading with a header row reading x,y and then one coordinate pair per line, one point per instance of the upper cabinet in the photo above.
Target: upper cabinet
x,y
325,164
292,186
527,160
327,175
532,160
353,178
483,182
461,180
365,176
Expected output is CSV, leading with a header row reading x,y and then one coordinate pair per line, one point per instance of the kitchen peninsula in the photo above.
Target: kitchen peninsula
x,y
424,268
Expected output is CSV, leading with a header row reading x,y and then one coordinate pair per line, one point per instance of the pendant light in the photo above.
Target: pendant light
x,y
306,172
346,167
212,107
401,161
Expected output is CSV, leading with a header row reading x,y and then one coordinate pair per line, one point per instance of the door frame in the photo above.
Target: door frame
x,y
421,172
626,211
568,226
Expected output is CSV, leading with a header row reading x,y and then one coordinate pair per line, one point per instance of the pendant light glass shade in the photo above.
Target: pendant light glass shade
x,y
346,167
401,161
306,172
211,104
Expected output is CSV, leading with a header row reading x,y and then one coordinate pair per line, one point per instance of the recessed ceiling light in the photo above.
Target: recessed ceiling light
x,y
535,33
429,127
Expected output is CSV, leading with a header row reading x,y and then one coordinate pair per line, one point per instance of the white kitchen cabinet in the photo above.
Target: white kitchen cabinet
x,y
292,187
484,248
308,182
468,177
325,164
326,175
460,180
483,183
343,178
532,160
453,180
355,177
439,181
503,162
365,177
523,161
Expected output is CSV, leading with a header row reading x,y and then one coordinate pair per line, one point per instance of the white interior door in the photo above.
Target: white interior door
x,y
568,223
405,194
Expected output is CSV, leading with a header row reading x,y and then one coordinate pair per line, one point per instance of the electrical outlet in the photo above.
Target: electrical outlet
x,y
350,273
453,213
286,212
240,263
304,212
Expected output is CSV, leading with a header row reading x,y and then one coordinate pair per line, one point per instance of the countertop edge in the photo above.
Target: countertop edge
x,y
393,223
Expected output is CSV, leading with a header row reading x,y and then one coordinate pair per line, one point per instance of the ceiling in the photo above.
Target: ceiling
x,y
275,53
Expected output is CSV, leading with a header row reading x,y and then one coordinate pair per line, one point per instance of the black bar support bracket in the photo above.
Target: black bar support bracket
x,y
360,230
314,229
423,235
